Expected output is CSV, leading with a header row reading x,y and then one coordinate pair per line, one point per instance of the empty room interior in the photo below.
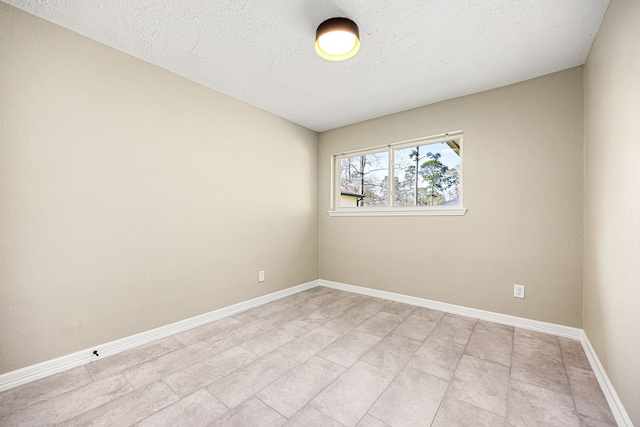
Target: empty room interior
x,y
204,221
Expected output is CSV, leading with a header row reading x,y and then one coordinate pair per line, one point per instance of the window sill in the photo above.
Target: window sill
x,y
398,211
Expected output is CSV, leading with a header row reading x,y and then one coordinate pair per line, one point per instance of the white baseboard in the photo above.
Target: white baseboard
x,y
619,413
35,372
50,367
505,319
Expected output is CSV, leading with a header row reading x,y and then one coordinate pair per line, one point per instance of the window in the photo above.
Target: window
x,y
426,179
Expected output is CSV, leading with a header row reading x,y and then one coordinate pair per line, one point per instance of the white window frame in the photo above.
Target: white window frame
x,y
390,210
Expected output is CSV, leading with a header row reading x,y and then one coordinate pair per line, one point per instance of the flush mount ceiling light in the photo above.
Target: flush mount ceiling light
x,y
337,39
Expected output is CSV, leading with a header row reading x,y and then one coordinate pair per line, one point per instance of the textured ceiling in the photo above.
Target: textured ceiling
x,y
413,53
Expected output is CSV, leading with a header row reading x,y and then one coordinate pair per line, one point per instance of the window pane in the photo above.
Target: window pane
x,y
364,180
427,175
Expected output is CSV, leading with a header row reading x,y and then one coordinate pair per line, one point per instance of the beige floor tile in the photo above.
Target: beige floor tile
x,y
417,325
207,331
536,345
428,313
349,397
243,383
274,338
412,399
71,404
498,328
311,417
392,353
296,388
102,368
488,345
538,369
312,320
454,328
573,354
309,305
588,396
291,313
534,406
42,390
481,383
267,310
437,357
296,299
309,344
373,305
592,422
192,378
252,412
198,410
369,421
128,409
541,338
454,412
380,325
318,290
237,335
327,297
342,305
537,360
350,319
399,309
245,317
347,350
157,368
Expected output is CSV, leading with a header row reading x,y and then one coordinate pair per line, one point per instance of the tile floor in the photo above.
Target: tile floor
x,y
326,358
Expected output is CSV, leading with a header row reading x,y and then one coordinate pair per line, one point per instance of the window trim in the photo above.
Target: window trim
x,y
336,210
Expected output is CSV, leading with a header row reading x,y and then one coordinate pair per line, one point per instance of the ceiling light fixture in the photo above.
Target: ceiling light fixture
x,y
337,39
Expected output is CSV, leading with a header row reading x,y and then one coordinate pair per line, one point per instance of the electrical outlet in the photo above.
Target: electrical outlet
x,y
261,276
518,291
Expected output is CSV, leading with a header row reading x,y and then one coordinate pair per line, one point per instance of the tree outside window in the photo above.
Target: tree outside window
x,y
423,175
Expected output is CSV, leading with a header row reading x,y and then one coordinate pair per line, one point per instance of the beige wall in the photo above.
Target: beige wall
x,y
612,200
523,191
131,198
